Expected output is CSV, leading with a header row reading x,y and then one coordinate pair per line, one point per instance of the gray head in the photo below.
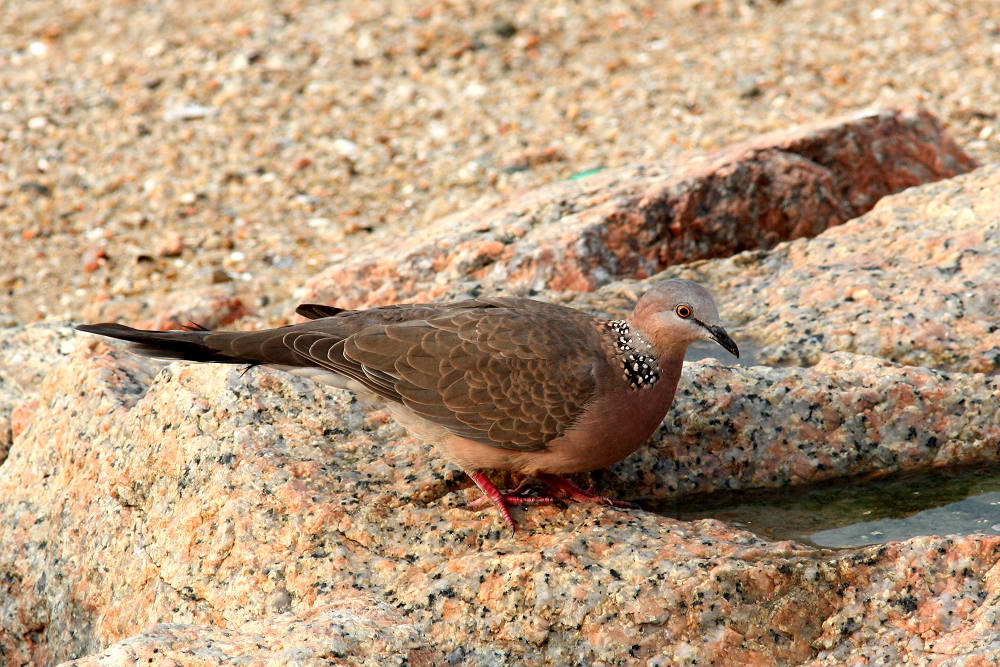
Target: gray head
x,y
675,313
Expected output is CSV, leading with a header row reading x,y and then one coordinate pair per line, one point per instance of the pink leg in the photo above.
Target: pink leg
x,y
501,500
482,500
515,497
573,491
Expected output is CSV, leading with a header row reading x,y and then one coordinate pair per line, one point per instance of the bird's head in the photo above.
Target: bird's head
x,y
675,313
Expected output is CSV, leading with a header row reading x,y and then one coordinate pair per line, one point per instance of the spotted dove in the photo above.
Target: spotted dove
x,y
499,383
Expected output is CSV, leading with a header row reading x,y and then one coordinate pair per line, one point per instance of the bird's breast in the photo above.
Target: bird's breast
x,y
616,423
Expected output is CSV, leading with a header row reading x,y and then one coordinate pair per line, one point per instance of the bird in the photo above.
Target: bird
x,y
500,383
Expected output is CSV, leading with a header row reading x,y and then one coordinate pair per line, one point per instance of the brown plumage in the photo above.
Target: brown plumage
x,y
494,383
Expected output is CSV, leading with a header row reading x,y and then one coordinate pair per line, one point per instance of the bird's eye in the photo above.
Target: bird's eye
x,y
683,311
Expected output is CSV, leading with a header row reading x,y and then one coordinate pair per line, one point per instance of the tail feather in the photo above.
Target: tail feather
x,y
315,311
186,345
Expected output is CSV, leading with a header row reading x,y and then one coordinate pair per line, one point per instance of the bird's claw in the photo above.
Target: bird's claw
x,y
502,499
567,489
579,494
512,499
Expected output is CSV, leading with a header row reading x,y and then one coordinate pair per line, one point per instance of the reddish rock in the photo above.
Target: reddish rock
x,y
202,511
265,519
170,245
22,415
634,221
98,257
355,629
916,282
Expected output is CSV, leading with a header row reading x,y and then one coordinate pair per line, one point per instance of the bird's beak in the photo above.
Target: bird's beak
x,y
720,336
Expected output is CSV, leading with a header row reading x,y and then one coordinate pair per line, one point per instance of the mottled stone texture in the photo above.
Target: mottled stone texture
x,y
203,515
634,221
356,628
263,518
738,428
895,315
26,356
916,281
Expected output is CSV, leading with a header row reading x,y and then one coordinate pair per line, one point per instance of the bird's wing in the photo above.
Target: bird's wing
x,y
511,373
507,372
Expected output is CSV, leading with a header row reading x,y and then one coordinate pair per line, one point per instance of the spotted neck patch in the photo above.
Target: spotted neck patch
x,y
639,367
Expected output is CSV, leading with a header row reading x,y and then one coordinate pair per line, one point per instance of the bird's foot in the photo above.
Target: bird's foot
x,y
504,498
579,494
513,497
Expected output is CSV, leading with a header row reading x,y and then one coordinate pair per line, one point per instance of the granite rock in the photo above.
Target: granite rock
x,y
214,516
632,222
26,356
211,516
881,343
847,416
356,629
916,281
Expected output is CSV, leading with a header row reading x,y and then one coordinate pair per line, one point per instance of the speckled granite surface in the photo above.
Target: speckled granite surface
x,y
210,500
916,281
355,629
262,517
633,221
850,415
26,357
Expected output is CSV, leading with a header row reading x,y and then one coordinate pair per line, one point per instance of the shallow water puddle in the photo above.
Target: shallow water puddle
x,y
851,513
848,514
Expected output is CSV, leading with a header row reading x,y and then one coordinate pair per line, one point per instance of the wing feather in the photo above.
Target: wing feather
x,y
506,372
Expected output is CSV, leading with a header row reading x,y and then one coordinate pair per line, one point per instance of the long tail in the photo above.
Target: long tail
x,y
225,347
